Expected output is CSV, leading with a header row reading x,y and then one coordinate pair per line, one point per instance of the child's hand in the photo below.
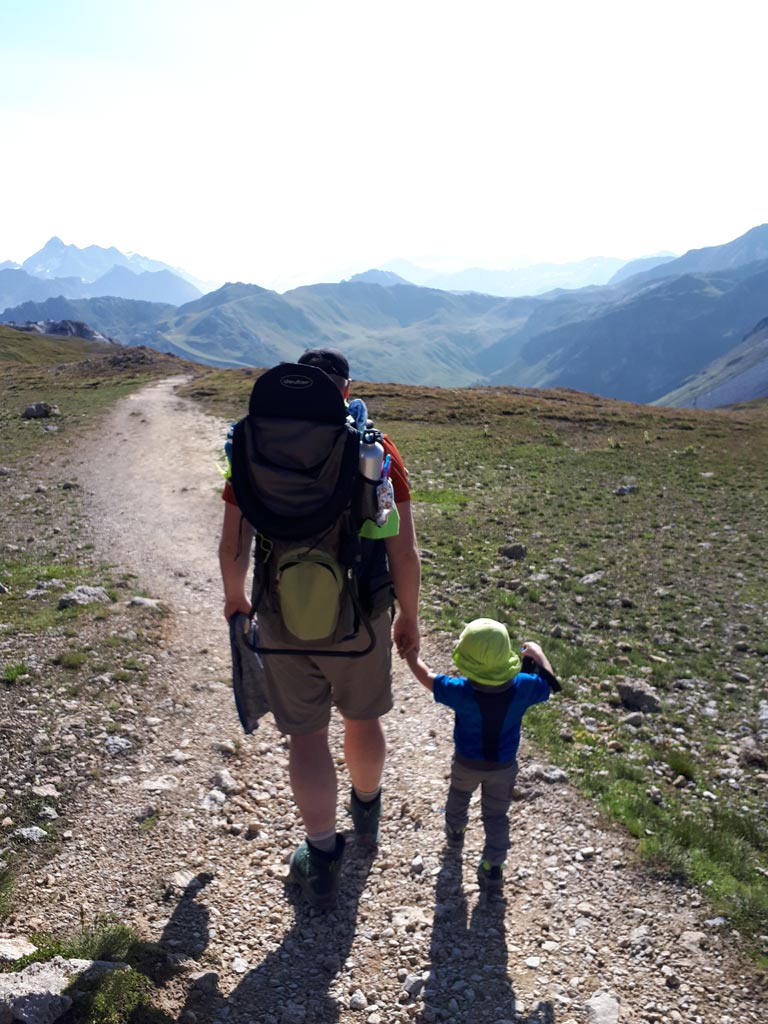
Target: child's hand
x,y
531,649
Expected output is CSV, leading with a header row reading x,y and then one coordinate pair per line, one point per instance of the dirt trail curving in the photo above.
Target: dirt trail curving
x,y
583,936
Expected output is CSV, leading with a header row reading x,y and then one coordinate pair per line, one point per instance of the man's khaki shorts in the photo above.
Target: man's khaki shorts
x,y
301,688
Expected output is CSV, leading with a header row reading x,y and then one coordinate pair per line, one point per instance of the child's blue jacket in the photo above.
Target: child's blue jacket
x,y
487,726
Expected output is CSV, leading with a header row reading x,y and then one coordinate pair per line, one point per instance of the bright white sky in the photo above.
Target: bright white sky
x,y
287,141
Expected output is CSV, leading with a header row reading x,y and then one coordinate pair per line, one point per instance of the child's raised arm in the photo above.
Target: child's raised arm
x,y
420,670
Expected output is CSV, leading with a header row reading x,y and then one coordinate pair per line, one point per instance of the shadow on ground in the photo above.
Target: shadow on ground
x,y
469,979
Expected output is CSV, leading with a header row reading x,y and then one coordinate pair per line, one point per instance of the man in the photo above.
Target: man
x,y
301,689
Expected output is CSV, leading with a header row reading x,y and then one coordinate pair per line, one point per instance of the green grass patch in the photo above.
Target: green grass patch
x,y
12,673
71,660
444,498
7,889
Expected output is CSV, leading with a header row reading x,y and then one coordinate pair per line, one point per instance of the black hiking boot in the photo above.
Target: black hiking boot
x,y
366,818
317,873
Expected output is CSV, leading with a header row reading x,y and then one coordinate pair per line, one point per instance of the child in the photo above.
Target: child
x,y
489,700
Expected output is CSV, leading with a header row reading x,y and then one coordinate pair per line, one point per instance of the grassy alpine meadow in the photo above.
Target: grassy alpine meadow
x,y
629,540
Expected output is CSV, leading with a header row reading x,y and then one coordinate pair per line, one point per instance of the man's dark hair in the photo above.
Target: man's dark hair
x,y
328,359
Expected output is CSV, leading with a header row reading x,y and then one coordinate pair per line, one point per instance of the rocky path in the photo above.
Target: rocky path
x,y
189,839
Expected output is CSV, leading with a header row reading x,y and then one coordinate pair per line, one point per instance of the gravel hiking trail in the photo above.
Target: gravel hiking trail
x,y
582,935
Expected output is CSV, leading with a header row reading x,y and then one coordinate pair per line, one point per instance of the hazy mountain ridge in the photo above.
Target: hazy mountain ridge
x,y
750,247
640,339
536,279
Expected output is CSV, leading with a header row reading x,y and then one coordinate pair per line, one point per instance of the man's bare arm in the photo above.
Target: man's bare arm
x,y
234,559
405,567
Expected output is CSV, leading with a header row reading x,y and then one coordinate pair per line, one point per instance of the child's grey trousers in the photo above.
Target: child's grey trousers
x,y
497,785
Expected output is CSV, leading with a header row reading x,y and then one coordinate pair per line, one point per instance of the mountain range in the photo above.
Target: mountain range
x,y
668,332
59,269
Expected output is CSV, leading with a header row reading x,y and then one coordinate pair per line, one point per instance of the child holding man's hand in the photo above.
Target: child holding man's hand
x,y
489,700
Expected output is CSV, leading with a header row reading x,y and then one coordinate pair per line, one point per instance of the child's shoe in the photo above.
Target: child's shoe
x,y
317,873
455,837
490,876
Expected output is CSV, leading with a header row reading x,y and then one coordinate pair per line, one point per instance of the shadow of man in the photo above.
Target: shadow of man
x,y
469,979
185,937
292,985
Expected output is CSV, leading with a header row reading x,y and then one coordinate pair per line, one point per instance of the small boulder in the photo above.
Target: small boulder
x,y
515,552
40,411
83,595
637,695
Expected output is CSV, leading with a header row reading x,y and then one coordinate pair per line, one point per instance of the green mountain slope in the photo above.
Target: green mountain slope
x,y
128,320
41,349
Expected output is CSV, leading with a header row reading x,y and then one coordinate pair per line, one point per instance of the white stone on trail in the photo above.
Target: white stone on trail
x,y
144,602
603,1008
226,782
358,1000
214,800
410,919
48,791
161,784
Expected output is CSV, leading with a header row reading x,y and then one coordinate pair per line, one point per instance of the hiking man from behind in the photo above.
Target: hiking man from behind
x,y
350,667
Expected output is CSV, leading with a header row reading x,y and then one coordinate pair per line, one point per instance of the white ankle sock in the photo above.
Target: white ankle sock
x,y
325,841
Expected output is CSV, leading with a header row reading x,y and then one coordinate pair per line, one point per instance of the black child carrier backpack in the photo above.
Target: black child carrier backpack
x,y
296,478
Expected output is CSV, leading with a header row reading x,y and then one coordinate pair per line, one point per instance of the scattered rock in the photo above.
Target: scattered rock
x,y
84,595
162,783
115,745
634,719
515,552
357,1000
14,949
592,577
603,1008
36,995
638,695
31,834
40,411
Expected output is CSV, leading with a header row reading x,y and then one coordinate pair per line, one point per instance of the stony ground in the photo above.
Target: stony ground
x,y
185,829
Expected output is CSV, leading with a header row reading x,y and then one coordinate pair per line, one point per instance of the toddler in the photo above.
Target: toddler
x,y
489,700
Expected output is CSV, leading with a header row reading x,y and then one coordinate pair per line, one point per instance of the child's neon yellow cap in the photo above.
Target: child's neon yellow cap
x,y
484,653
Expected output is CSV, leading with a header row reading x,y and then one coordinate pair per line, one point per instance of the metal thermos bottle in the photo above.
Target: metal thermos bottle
x,y
371,454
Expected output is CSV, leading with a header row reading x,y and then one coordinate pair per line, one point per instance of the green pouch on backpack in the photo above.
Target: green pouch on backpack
x,y
310,587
